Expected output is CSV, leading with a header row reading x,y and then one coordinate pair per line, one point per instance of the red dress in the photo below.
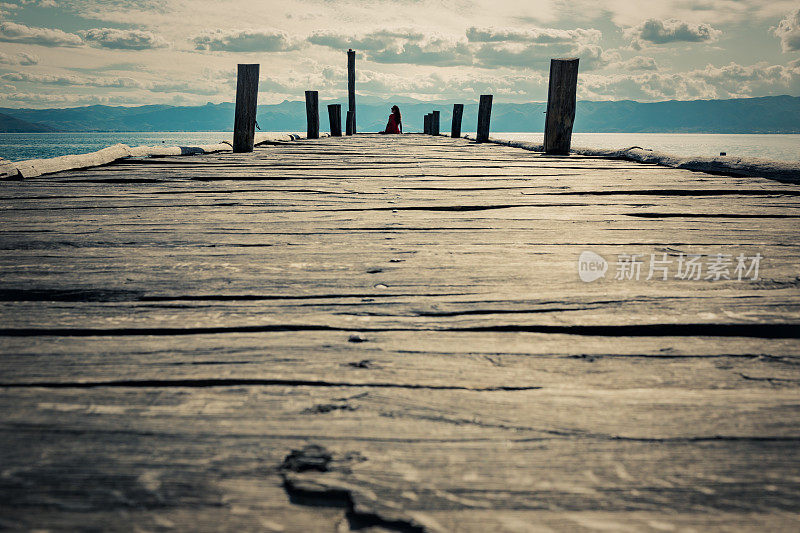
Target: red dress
x,y
392,126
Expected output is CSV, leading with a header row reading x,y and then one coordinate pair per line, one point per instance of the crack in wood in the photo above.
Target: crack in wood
x,y
768,331
252,382
709,215
323,490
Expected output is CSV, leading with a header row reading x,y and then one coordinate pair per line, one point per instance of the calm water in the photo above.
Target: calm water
x,y
19,146
777,147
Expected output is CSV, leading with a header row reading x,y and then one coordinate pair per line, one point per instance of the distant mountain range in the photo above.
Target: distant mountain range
x,y
9,124
771,114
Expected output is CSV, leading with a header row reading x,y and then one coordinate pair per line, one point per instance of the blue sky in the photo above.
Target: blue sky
x,y
127,52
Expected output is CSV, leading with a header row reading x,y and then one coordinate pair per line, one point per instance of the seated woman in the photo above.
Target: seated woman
x,y
395,124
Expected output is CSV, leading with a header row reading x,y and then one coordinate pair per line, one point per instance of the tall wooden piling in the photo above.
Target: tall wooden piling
x,y
312,114
435,123
455,128
561,105
426,124
244,121
484,117
351,92
335,117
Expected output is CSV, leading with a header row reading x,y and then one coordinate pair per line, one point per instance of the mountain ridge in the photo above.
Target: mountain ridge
x,y
769,114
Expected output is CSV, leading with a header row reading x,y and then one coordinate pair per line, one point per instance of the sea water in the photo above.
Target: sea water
x,y
778,147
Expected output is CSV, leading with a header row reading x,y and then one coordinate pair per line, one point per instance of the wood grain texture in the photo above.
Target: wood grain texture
x,y
351,92
455,127
561,97
388,333
484,118
312,114
244,122
335,118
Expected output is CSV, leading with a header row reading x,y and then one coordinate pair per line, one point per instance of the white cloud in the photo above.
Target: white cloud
x,y
251,40
400,46
625,13
534,48
738,80
654,31
47,99
729,81
636,63
21,58
433,50
372,41
19,33
123,39
57,79
788,31
206,85
535,35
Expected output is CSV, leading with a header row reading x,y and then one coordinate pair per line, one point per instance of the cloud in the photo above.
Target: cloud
x,y
788,31
373,41
430,51
534,47
22,58
12,32
50,100
636,63
400,46
264,40
728,81
437,84
119,82
483,47
206,85
735,80
536,35
538,56
654,31
123,39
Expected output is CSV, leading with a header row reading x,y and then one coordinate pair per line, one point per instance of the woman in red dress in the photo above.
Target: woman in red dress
x,y
395,124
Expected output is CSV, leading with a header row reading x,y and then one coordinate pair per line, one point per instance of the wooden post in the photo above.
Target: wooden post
x,y
348,123
435,123
351,91
312,114
455,129
426,125
560,105
484,116
244,121
335,116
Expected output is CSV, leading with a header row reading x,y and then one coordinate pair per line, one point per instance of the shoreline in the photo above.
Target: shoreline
x,y
782,171
747,167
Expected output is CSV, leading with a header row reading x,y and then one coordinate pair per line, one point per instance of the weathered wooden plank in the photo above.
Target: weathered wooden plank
x,y
561,105
484,118
246,106
572,451
428,359
312,114
455,128
335,117
413,305
351,92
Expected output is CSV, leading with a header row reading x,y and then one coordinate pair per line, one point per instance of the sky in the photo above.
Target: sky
x,y
184,52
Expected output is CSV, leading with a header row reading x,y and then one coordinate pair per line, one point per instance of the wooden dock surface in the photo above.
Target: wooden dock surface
x,y
389,333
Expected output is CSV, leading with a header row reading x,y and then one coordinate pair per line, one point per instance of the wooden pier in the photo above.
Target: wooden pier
x,y
389,333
